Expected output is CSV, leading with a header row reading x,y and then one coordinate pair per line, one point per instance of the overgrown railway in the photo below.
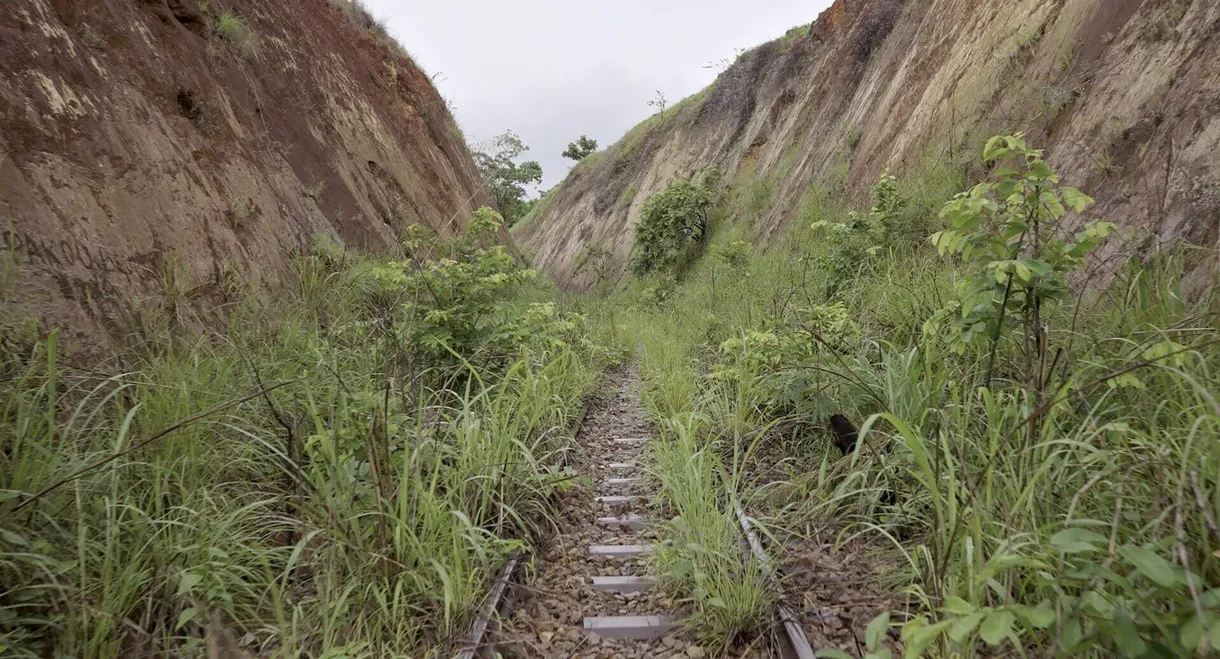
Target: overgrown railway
x,y
593,594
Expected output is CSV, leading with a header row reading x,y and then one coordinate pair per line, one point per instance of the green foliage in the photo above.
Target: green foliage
x,y
791,347
234,30
735,255
658,122
359,15
672,225
856,243
1064,510
700,557
596,258
874,634
758,197
359,507
1007,231
1142,600
657,294
719,65
580,149
454,299
232,27
853,139
625,199
775,373
506,179
795,34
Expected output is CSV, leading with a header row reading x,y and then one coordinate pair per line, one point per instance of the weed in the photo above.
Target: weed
x,y
759,196
1103,162
1055,98
91,38
1060,505
8,259
241,212
658,122
233,29
1171,17
628,196
1028,41
1008,229
359,504
659,102
793,35
853,139
700,557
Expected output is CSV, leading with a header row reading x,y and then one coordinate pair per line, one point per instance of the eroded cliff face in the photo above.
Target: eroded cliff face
x,y
1124,94
143,147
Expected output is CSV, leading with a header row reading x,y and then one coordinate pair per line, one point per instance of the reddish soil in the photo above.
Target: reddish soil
x,y
136,140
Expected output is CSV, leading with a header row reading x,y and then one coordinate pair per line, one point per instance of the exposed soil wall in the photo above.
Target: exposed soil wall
x,y
1124,94
143,149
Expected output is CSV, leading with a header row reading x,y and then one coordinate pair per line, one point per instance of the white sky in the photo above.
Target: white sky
x,y
552,70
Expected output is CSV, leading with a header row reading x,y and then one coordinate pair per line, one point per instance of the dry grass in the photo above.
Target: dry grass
x,y
359,15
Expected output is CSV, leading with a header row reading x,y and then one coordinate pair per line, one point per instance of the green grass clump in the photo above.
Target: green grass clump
x,y
233,29
311,477
701,557
1064,504
793,35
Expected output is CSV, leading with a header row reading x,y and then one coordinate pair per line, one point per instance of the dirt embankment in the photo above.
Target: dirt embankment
x,y
150,148
1124,94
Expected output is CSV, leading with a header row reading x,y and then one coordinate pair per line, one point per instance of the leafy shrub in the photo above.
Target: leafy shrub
x,y
1007,232
1065,509
358,506
1110,606
673,224
656,295
776,373
455,297
857,242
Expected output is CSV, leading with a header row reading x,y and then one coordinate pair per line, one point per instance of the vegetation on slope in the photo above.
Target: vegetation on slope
x,y
1039,457
337,474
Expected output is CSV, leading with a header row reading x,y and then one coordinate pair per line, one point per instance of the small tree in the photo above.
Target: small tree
x,y
580,149
659,102
855,245
1007,232
505,178
673,222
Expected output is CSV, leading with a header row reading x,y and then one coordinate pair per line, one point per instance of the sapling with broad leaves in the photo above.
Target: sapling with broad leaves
x,y
1009,233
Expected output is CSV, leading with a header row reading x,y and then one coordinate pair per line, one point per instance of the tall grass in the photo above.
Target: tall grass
x,y
355,507
1081,523
701,557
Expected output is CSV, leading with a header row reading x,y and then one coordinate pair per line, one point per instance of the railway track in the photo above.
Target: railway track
x,y
593,595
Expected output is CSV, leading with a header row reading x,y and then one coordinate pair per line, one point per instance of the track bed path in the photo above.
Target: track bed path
x,y
593,596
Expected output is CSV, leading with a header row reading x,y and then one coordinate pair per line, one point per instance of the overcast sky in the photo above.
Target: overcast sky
x,y
552,70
